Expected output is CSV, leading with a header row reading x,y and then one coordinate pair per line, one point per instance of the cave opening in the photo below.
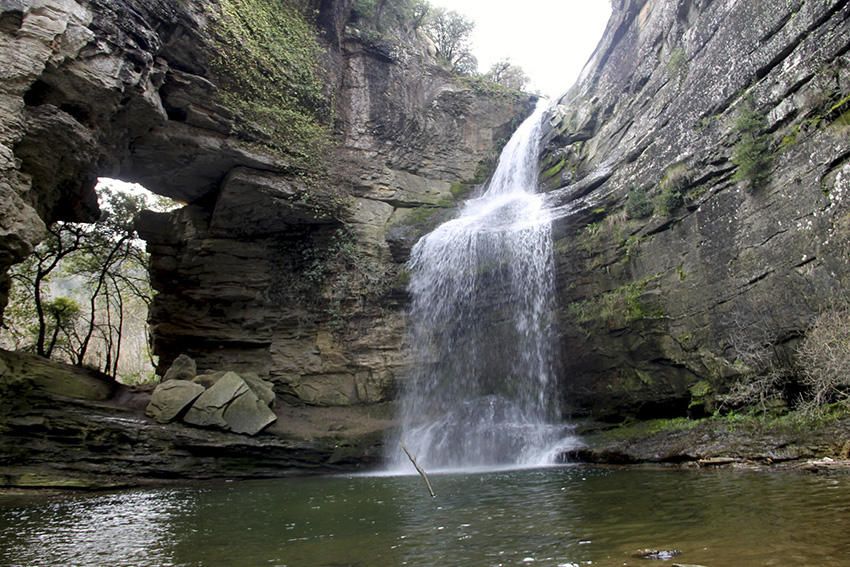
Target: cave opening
x,y
82,296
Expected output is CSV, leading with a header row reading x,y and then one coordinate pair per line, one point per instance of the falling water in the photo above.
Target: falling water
x,y
482,393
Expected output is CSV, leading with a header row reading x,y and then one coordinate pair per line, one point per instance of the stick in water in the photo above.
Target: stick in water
x,y
419,470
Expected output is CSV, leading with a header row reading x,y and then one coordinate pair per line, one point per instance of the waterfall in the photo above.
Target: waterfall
x,y
481,392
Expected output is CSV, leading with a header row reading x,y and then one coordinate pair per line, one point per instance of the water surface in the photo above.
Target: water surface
x,y
557,516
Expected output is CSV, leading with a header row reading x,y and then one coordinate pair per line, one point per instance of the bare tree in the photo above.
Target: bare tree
x,y
508,75
824,358
100,266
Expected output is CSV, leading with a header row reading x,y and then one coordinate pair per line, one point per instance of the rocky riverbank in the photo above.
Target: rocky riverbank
x,y
63,427
792,441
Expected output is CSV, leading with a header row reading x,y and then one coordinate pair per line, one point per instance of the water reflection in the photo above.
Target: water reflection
x,y
129,528
568,516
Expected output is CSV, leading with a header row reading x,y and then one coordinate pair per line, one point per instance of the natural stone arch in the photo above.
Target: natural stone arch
x,y
125,89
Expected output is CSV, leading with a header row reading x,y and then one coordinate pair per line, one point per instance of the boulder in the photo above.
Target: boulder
x,y
183,368
248,414
208,379
261,388
232,402
169,399
208,409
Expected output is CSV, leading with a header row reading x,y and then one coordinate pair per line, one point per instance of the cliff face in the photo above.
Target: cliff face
x,y
658,300
302,205
281,260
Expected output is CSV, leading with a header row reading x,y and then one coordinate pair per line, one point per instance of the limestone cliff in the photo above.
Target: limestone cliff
x,y
309,169
300,135
667,260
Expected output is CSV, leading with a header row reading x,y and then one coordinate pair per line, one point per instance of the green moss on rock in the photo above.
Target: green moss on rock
x,y
618,307
268,71
555,169
752,151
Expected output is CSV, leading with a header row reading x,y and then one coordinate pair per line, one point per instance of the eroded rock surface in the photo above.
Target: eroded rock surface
x,y
170,399
274,266
655,311
62,427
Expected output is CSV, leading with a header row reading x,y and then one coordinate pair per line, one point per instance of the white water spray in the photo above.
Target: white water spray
x,y
481,393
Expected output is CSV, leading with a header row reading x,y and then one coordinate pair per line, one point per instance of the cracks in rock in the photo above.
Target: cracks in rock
x,y
754,280
769,238
777,59
804,262
780,24
796,41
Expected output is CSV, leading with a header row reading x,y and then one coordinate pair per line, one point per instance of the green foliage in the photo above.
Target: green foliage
x,y
638,205
508,75
63,310
450,32
482,85
668,201
839,113
752,152
337,277
701,396
591,235
677,64
672,190
618,307
380,16
648,428
365,8
632,245
778,422
74,297
269,76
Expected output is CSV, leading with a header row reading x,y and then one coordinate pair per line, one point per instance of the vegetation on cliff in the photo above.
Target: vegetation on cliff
x,y
752,152
268,66
82,296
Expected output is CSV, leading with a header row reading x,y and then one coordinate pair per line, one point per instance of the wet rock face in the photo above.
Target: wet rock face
x,y
269,268
656,305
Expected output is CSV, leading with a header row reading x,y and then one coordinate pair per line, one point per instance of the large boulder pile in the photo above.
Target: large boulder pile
x,y
240,403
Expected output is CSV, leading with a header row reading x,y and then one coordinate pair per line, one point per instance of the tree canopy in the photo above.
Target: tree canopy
x,y
507,74
85,289
450,32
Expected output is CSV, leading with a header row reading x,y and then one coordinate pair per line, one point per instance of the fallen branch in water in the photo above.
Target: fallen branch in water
x,y
419,470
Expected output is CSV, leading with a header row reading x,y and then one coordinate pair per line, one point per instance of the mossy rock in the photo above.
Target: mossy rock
x,y
43,376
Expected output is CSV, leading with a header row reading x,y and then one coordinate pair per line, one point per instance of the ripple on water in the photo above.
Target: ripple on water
x,y
568,516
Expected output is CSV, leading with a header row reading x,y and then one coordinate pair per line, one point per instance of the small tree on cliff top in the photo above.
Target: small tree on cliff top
x,y
508,75
450,32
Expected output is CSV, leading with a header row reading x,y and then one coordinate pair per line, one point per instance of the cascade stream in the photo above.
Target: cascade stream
x,y
481,393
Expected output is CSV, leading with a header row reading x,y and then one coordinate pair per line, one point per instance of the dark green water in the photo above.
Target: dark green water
x,y
567,516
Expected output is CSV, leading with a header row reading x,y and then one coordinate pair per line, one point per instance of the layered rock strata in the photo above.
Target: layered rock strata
x,y
62,427
662,301
279,263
